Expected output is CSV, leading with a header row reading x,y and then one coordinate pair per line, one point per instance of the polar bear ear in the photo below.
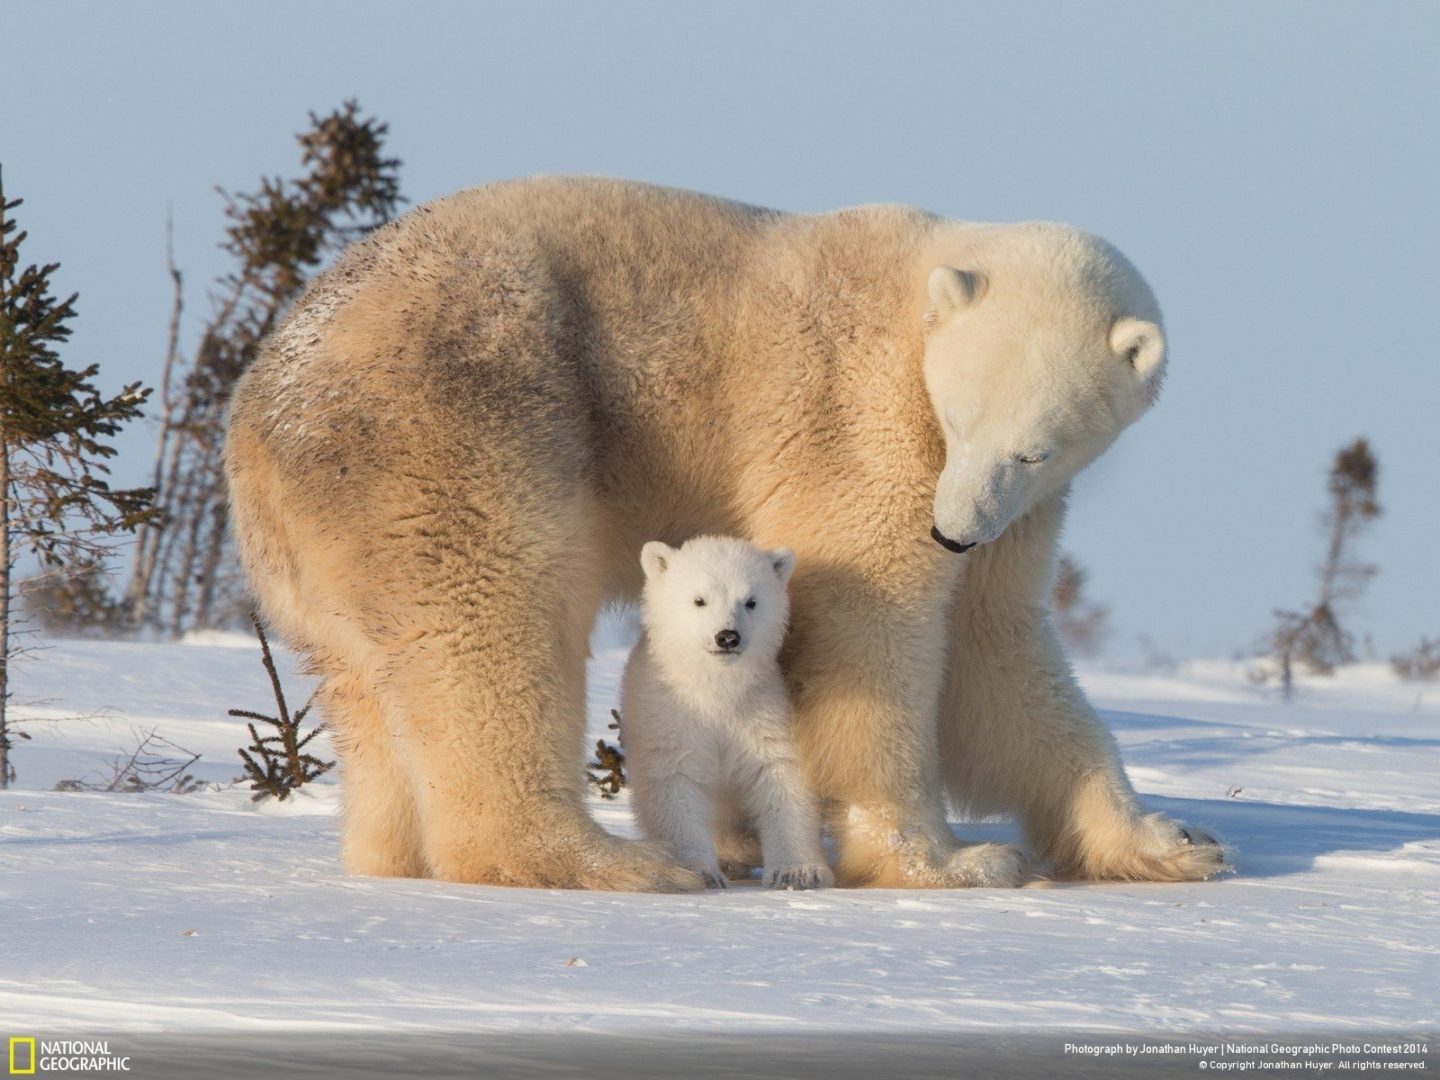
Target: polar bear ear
x,y
952,289
655,558
783,560
1140,344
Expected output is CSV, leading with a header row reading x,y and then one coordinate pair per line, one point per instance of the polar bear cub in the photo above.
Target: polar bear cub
x,y
704,716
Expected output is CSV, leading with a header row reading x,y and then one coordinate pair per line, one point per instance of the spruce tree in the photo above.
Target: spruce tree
x,y
184,575
54,426
1315,637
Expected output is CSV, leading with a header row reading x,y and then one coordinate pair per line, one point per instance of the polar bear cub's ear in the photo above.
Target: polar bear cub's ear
x,y
1140,344
783,560
655,558
952,289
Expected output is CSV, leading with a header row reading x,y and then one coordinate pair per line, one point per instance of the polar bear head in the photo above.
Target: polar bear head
x,y
715,600
1042,344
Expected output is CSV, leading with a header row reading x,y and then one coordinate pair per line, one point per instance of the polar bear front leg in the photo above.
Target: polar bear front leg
x,y
784,812
672,808
1017,735
864,672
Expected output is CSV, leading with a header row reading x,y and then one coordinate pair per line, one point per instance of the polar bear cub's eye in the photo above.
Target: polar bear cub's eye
x,y
699,601
1031,459
750,604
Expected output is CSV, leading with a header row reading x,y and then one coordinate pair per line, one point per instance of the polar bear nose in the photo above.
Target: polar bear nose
x,y
948,544
727,640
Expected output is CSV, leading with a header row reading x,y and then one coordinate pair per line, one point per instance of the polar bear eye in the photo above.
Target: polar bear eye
x,y
699,601
1031,459
750,604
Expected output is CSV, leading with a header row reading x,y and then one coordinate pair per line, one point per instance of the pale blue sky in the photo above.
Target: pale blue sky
x,y
1271,167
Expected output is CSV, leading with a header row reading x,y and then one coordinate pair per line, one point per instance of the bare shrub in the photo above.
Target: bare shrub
x,y
156,764
1421,662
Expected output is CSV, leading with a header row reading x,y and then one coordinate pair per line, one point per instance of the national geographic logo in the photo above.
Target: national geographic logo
x,y
29,1056
22,1055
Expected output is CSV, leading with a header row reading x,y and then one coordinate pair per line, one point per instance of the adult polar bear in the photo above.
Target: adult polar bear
x,y
449,455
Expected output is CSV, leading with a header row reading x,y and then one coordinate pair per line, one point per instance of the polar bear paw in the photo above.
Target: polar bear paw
x,y
1191,854
589,859
882,849
798,876
635,866
1171,851
1154,848
968,866
985,866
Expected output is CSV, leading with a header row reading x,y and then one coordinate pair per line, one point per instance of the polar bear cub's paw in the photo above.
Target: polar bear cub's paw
x,y
796,876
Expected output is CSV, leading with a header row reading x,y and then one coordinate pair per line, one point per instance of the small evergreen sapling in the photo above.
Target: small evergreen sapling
x,y
278,764
55,503
607,771
1315,637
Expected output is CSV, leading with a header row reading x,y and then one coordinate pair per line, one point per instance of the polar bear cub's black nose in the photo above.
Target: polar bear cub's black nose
x,y
727,639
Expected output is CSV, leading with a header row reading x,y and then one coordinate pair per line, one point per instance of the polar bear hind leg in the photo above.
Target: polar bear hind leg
x,y
464,592
379,820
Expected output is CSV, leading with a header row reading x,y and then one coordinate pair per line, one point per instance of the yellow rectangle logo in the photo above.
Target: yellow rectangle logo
x,y
19,1041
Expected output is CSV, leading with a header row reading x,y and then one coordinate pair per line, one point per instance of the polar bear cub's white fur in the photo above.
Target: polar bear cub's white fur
x,y
705,719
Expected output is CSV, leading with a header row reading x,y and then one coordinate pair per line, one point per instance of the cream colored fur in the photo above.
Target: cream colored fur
x,y
446,459
706,730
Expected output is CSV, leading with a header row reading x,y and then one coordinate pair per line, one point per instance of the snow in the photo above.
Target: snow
x,y
173,913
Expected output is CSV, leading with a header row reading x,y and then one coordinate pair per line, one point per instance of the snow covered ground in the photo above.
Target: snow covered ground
x,y
207,912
